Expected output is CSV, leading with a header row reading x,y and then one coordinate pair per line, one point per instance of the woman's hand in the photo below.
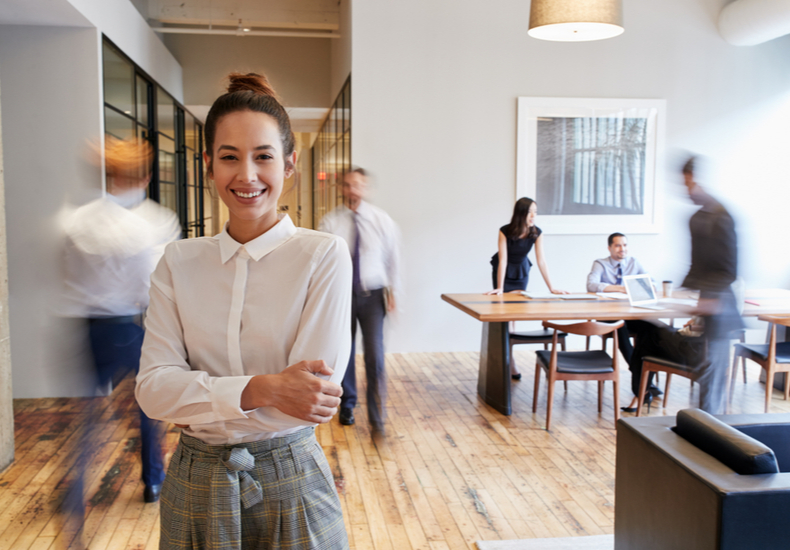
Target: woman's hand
x,y
296,391
557,291
496,291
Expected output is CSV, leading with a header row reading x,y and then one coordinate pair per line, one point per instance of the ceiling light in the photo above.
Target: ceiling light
x,y
241,29
575,20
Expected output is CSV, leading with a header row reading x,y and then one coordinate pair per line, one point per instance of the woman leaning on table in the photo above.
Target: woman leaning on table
x,y
511,264
247,341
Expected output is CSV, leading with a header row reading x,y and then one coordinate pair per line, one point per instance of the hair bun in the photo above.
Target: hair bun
x,y
252,82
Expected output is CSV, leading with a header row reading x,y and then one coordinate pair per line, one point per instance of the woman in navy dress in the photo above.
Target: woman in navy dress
x,y
511,264
516,239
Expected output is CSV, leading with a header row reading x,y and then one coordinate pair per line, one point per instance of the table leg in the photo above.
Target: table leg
x,y
493,381
782,335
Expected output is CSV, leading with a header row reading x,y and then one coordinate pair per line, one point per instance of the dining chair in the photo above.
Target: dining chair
x,y
544,336
773,357
670,368
595,365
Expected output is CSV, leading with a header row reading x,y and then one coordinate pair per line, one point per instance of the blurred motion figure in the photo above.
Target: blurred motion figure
x,y
373,239
714,268
112,246
704,341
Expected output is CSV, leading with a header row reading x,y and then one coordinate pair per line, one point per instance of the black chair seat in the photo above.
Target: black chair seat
x,y
760,351
671,364
578,362
536,336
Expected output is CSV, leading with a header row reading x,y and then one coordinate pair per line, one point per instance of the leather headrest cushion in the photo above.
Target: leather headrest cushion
x,y
743,454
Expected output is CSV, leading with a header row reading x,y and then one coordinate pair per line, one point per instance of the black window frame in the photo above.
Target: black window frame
x,y
152,134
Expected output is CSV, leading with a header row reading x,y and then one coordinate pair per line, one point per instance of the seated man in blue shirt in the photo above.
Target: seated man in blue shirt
x,y
607,275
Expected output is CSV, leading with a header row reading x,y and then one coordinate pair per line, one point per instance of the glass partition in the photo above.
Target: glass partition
x,y
143,94
134,105
118,125
332,155
168,179
165,113
118,81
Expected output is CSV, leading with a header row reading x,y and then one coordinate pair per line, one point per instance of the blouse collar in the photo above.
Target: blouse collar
x,y
259,246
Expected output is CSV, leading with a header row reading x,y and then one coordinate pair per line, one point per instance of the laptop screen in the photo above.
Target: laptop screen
x,y
640,288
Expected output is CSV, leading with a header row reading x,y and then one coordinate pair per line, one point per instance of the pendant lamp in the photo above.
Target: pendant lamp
x,y
575,20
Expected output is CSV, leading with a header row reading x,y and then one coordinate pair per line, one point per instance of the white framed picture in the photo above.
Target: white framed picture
x,y
592,165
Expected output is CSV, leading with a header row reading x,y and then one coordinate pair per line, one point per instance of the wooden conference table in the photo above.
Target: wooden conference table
x,y
493,382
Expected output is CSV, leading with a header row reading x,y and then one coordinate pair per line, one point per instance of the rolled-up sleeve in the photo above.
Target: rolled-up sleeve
x,y
167,388
594,283
392,260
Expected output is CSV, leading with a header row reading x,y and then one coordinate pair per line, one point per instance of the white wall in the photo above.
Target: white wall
x,y
434,117
120,21
6,380
52,106
341,51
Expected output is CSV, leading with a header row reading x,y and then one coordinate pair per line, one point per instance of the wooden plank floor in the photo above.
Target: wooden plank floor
x,y
450,471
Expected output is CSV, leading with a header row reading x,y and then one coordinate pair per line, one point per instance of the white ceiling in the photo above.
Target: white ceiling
x,y
283,14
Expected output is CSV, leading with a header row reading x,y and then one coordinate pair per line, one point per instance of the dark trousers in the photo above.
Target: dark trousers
x,y
655,339
624,338
368,309
116,344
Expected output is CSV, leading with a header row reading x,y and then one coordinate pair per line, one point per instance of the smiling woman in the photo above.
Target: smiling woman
x,y
248,167
247,340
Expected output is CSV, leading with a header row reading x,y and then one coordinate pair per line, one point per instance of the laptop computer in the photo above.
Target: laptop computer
x,y
641,292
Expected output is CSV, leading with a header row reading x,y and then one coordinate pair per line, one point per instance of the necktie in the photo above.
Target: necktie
x,y
356,282
619,280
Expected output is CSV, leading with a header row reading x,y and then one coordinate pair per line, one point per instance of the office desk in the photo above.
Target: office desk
x,y
495,312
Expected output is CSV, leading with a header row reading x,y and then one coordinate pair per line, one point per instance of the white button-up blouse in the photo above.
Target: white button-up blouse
x,y
221,312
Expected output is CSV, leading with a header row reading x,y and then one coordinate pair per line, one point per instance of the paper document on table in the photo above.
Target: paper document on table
x,y
678,301
539,295
578,296
614,295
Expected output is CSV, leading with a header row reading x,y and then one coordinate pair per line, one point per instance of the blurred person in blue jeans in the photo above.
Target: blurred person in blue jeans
x,y
112,246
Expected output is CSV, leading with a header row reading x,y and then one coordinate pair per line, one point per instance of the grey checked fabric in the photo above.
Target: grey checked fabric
x,y
272,494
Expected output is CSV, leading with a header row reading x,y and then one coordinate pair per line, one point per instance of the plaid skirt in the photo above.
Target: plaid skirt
x,y
272,494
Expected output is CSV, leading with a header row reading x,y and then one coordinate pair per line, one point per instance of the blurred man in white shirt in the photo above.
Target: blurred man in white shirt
x,y
112,246
373,239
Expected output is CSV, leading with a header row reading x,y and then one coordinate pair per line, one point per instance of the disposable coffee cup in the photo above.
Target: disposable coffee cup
x,y
667,288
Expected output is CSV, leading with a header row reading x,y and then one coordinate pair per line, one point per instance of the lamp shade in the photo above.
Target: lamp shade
x,y
575,20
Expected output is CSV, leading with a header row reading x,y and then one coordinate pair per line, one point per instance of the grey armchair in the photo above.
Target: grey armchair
x,y
670,493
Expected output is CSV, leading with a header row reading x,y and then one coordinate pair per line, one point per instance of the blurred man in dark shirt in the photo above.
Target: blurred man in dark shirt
x,y
714,268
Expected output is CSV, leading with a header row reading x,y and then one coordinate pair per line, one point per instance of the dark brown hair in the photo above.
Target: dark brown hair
x,y
518,223
361,171
249,92
688,167
613,236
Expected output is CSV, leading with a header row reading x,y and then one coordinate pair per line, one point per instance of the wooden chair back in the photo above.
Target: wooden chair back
x,y
586,328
